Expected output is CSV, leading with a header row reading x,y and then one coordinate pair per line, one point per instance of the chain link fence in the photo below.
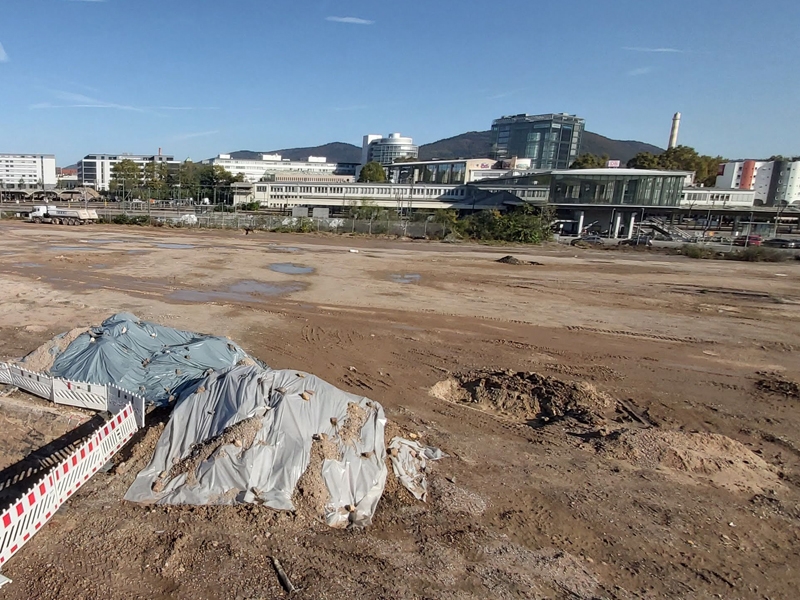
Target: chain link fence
x,y
281,223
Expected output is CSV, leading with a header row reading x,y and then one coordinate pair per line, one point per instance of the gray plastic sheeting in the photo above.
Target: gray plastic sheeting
x,y
268,470
409,464
145,358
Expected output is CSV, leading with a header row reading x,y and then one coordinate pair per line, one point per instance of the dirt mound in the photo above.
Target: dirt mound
x,y
513,260
41,360
704,456
525,396
772,383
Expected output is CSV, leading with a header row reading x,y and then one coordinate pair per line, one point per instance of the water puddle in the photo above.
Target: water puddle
x,y
284,248
138,251
103,241
176,246
243,291
405,278
407,327
24,265
97,266
291,268
70,248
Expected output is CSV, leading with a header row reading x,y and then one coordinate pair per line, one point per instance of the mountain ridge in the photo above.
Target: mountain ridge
x,y
472,144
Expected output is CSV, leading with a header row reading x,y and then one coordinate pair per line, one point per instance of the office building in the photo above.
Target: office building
x,y
273,167
95,170
550,141
775,182
386,150
27,171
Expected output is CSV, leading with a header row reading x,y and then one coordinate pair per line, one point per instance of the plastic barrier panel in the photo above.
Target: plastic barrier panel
x,y
36,506
117,398
5,373
80,394
35,383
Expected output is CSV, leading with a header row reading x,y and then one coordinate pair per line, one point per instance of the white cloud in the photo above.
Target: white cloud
x,y
3,55
197,134
640,49
350,20
350,108
73,100
640,71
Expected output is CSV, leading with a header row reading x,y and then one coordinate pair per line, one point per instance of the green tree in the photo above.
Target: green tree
x,y
405,159
125,175
590,161
644,160
372,172
367,210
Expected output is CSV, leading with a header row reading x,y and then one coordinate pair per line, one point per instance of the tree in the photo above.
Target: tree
x,y
405,159
21,183
372,172
681,158
125,175
590,161
644,160
368,210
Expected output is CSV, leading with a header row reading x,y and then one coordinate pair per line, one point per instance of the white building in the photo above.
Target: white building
x,y
713,198
273,166
94,170
386,150
774,182
21,171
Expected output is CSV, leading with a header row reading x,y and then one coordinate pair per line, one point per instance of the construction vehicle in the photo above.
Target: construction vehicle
x,y
62,216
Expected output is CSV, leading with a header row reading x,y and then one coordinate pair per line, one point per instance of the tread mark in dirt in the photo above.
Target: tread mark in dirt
x,y
644,336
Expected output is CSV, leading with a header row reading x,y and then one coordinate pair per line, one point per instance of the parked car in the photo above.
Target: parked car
x,y
592,240
748,240
780,243
642,240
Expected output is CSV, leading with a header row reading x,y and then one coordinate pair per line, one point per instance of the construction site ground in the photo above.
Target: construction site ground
x,y
689,489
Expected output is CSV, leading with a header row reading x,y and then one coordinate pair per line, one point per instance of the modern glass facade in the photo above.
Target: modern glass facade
x,y
619,190
550,141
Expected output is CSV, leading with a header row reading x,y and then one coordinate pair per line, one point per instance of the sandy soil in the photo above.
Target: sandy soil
x,y
689,489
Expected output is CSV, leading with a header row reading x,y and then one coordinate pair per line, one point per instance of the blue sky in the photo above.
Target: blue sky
x,y
200,77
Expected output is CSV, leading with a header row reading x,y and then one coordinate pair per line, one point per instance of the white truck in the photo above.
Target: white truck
x,y
62,216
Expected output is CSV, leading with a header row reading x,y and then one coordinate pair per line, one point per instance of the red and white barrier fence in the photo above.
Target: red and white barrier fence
x,y
36,506
81,394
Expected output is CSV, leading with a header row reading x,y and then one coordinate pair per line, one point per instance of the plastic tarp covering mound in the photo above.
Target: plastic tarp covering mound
x,y
246,435
157,362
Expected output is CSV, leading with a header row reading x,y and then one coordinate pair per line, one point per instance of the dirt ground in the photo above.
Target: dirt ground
x,y
685,485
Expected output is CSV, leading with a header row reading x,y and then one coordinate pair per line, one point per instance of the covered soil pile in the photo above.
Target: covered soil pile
x,y
698,456
513,260
526,396
772,383
41,360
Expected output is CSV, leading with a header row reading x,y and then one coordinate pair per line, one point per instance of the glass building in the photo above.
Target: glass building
x,y
550,141
618,187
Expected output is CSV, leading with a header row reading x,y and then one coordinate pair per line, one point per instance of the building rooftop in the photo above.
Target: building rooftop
x,y
645,172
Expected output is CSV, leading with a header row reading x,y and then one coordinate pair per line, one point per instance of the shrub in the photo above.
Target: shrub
x,y
695,251
759,254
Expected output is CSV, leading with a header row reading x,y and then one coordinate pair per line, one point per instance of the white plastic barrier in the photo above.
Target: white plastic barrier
x,y
80,394
36,506
117,398
35,383
5,373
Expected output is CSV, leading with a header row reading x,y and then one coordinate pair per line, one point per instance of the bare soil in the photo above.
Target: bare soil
x,y
686,486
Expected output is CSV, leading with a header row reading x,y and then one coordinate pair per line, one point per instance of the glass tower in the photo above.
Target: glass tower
x,y
550,141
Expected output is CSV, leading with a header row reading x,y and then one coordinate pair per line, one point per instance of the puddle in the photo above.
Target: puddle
x,y
405,278
244,291
290,268
97,266
26,265
284,248
407,327
69,248
102,241
176,246
138,251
